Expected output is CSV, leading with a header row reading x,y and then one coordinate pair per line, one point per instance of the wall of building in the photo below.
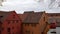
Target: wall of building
x,y
57,30
11,25
51,30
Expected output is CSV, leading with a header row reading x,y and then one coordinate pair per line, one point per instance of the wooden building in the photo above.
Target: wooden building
x,y
10,23
35,23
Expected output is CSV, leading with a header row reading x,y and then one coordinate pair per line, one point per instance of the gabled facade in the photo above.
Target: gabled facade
x,y
35,23
11,23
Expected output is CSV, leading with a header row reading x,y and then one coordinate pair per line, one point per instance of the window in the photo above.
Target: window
x,y
32,32
8,22
51,20
34,25
27,24
0,31
0,22
13,16
42,33
8,29
13,21
1,16
17,33
9,33
53,32
17,21
12,27
2,28
28,32
44,18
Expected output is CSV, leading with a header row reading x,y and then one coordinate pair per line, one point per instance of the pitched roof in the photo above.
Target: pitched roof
x,y
3,15
24,15
33,17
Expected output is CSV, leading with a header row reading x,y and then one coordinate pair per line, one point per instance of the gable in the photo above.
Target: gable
x,y
13,16
33,17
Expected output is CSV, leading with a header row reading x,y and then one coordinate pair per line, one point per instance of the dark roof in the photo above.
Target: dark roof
x,y
4,14
53,14
24,15
33,17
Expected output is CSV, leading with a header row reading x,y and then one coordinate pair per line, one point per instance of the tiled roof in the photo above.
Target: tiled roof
x,y
24,15
3,15
33,17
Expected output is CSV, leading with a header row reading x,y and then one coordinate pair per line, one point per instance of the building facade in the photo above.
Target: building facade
x,y
35,23
54,18
10,23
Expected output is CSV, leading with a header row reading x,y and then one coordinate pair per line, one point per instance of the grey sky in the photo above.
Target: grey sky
x,y
28,5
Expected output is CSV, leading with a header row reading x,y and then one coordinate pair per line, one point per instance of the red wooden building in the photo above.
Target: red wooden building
x,y
10,23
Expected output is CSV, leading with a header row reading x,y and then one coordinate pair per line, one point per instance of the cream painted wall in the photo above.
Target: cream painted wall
x,y
58,30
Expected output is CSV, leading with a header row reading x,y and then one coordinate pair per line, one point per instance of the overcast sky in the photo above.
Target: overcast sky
x,y
28,5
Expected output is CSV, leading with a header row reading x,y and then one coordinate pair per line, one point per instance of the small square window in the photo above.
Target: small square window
x,y
34,25
2,28
9,33
17,21
44,18
27,24
13,33
13,21
12,27
8,22
8,29
32,33
0,32
53,32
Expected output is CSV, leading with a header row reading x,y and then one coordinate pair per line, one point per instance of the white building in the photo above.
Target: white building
x,y
52,31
